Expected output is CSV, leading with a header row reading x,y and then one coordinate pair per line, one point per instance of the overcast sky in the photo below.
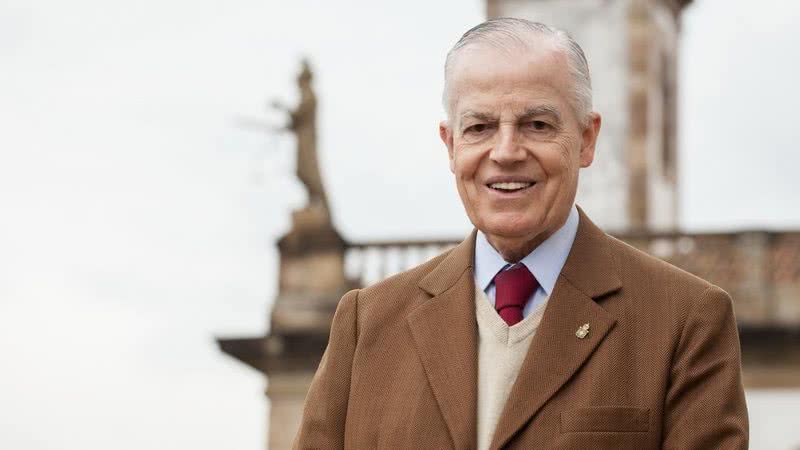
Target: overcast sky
x,y
138,220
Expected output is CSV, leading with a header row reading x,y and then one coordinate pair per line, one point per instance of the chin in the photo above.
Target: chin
x,y
511,227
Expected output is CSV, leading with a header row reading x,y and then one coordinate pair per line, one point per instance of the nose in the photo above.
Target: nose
x,y
507,149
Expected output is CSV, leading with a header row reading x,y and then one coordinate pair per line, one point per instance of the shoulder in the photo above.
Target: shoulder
x,y
661,291
641,270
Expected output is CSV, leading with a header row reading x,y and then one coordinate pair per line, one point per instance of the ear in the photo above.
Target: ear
x,y
589,139
446,134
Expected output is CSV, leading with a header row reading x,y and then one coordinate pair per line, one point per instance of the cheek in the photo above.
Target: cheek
x,y
568,163
565,160
466,161
568,158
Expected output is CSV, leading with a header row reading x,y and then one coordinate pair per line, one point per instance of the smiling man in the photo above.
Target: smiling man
x,y
538,330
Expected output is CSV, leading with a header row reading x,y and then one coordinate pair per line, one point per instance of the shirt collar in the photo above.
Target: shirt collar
x,y
545,261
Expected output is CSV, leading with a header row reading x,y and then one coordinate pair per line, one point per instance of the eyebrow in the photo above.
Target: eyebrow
x,y
484,117
542,110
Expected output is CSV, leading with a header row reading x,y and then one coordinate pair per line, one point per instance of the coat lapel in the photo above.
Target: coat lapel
x,y
556,352
444,331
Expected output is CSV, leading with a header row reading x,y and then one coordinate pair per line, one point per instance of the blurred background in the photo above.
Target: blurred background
x,y
145,182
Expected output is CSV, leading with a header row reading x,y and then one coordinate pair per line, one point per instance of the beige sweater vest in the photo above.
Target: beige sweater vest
x,y
501,350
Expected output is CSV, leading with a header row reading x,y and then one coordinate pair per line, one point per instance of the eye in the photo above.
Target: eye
x,y
478,128
538,125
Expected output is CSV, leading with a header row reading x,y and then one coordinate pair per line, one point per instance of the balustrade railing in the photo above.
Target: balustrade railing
x,y
760,269
369,262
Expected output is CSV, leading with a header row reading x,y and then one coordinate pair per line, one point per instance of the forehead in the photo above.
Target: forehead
x,y
489,79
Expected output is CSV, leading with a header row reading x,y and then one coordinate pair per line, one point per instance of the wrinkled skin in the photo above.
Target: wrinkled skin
x,y
512,119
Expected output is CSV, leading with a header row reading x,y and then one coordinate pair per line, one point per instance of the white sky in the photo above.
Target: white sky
x,y
138,221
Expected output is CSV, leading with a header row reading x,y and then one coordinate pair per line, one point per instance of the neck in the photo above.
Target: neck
x,y
514,249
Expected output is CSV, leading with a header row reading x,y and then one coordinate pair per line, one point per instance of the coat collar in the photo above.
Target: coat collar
x,y
450,269
590,266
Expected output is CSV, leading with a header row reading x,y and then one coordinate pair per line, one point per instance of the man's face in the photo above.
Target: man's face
x,y
515,142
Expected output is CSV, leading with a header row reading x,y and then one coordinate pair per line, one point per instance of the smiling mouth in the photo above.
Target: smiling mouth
x,y
513,186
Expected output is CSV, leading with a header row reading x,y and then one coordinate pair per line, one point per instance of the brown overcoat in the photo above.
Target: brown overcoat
x,y
659,368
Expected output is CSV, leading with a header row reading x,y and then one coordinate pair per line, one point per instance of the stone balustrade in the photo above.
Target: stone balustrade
x,y
760,269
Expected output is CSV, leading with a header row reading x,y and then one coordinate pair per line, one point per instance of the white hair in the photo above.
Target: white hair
x,y
506,31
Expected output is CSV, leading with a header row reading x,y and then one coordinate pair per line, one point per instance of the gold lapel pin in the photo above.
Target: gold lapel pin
x,y
583,331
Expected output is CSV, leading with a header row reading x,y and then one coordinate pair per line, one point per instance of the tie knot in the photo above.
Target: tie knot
x,y
513,289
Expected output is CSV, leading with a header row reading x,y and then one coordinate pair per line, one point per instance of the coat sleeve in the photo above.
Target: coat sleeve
x,y
325,410
705,404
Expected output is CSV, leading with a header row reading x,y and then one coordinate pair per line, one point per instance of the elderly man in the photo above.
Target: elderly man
x,y
539,330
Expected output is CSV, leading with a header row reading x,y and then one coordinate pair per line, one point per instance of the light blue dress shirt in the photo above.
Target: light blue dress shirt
x,y
544,262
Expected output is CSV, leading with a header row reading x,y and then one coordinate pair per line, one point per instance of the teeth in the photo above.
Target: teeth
x,y
509,186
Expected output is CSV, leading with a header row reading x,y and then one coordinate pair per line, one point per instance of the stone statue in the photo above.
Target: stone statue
x,y
312,229
303,123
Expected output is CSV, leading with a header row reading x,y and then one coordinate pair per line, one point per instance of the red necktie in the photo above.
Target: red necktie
x,y
513,289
